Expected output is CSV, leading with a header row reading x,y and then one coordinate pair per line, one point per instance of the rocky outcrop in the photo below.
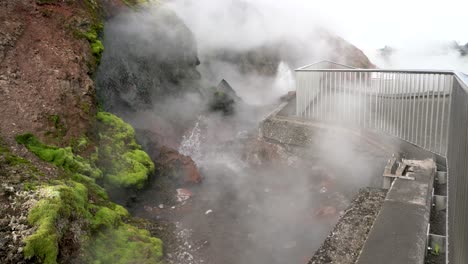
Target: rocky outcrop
x,y
339,50
184,171
150,54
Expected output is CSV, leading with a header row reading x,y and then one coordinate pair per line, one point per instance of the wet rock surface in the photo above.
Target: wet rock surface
x,y
344,243
183,169
259,202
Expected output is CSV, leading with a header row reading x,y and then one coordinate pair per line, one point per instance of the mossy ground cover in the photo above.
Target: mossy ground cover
x,y
123,162
105,237
75,197
118,161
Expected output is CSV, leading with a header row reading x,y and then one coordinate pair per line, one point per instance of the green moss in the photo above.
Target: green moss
x,y
92,35
107,217
61,157
126,165
79,144
86,107
96,191
13,160
58,203
126,244
109,239
29,186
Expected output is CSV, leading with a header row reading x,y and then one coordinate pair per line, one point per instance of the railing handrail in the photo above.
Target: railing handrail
x,y
435,124
462,80
380,70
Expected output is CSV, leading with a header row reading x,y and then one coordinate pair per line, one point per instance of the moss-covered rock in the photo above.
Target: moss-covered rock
x,y
58,202
126,244
123,161
75,199
104,237
61,157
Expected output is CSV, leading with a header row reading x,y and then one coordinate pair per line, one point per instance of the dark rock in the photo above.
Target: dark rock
x,y
149,55
224,99
224,87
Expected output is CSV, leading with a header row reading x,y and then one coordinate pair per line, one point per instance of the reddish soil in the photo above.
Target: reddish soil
x,y
43,69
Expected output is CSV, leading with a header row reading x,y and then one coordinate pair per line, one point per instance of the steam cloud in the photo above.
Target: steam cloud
x,y
266,213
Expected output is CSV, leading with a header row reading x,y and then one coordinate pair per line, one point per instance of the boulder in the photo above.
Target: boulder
x,y
180,168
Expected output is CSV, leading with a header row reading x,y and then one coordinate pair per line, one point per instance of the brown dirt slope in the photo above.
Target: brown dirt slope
x,y
45,86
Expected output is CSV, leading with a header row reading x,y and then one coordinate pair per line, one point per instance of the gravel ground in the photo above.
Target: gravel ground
x,y
344,243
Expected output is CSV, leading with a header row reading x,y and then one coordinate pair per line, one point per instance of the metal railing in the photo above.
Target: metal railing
x,y
426,108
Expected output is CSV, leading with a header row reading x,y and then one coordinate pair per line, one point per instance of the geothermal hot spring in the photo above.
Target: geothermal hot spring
x,y
259,202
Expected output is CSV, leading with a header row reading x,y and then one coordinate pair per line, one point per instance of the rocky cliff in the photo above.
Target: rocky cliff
x,y
150,55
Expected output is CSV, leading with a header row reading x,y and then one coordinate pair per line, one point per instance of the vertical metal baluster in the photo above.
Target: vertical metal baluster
x,y
322,106
444,98
384,102
413,108
324,99
433,83
355,90
387,98
404,113
314,98
309,89
418,111
391,92
303,91
380,98
450,89
298,88
306,94
405,107
436,133
398,105
343,96
330,103
330,97
350,96
367,118
319,94
359,99
327,96
335,101
347,96
426,123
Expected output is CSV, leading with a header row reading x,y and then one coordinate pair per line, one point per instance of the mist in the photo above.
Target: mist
x,y
260,202
420,31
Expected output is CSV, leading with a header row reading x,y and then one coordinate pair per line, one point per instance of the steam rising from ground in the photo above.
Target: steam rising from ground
x,y
266,209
